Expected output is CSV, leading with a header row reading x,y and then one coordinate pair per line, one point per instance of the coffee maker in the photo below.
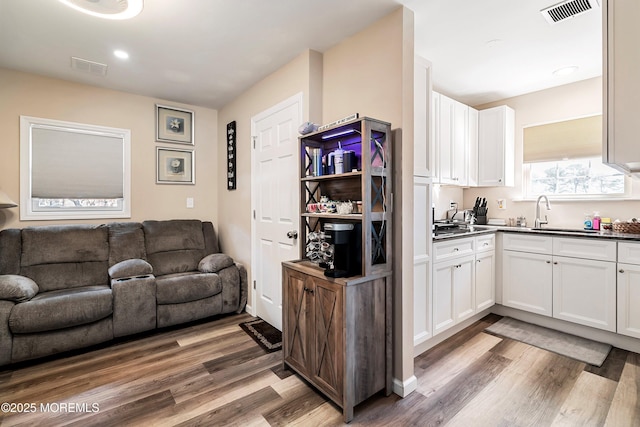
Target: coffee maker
x,y
346,240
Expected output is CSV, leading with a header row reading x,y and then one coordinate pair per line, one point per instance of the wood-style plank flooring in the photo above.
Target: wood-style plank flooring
x,y
212,374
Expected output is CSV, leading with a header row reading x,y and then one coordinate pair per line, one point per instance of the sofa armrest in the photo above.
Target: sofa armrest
x,y
130,268
244,287
17,288
134,304
214,262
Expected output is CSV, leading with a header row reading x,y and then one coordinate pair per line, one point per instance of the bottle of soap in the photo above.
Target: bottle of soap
x,y
595,222
588,223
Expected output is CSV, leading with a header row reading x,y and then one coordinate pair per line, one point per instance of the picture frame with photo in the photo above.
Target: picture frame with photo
x,y
174,125
175,166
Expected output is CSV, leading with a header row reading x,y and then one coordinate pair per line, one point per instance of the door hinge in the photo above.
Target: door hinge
x,y
254,214
254,284
254,141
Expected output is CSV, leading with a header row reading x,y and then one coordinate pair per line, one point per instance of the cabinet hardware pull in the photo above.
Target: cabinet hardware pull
x,y
486,244
548,262
621,271
555,263
308,290
455,249
478,260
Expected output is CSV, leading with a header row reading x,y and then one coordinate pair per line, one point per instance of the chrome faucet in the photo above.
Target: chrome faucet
x,y
538,223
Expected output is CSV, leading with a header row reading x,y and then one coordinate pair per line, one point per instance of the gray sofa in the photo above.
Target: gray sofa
x,y
71,286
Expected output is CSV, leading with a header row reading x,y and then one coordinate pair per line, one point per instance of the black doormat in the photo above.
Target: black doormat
x,y
268,337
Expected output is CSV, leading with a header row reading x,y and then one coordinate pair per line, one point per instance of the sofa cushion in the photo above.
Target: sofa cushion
x,y
65,256
126,241
64,243
185,287
60,309
214,263
17,288
130,268
174,246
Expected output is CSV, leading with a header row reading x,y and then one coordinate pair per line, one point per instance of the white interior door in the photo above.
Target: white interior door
x,y
275,197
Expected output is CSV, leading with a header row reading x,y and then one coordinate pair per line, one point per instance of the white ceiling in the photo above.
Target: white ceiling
x,y
207,52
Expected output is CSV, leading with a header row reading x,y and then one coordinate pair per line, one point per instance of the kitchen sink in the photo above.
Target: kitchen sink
x,y
565,230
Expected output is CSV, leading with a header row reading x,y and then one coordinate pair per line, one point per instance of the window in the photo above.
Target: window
x,y
73,171
563,159
576,177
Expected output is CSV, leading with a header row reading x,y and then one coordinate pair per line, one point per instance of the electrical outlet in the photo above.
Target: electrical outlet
x,y
452,204
190,202
502,204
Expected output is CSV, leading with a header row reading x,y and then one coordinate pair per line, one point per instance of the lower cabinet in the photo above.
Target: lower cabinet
x,y
337,333
579,288
628,289
453,292
463,279
527,282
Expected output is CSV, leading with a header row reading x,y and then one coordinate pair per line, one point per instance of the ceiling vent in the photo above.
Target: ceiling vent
x,y
87,66
568,9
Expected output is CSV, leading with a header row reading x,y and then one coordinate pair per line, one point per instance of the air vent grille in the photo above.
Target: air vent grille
x,y
87,66
568,9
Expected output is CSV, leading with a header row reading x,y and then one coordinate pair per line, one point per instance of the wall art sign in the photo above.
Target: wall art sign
x,y
231,155
175,166
174,125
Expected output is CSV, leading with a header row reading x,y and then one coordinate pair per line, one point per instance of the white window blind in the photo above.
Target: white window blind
x,y
570,139
69,164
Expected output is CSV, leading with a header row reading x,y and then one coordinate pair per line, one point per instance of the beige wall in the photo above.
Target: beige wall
x,y
31,95
564,102
302,74
371,73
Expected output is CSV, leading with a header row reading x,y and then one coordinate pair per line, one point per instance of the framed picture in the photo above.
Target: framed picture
x,y
175,166
174,125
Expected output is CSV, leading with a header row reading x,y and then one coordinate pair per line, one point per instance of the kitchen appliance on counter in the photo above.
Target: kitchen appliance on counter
x,y
346,241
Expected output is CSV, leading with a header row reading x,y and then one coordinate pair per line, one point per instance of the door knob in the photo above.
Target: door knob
x,y
292,234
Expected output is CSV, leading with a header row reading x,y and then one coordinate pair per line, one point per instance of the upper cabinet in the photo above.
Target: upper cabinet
x,y
621,83
422,123
451,140
496,145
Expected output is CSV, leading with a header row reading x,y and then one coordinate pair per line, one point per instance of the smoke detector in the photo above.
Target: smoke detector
x,y
107,9
568,9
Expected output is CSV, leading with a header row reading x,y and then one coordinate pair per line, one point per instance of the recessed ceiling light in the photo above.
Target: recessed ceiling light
x,y
494,42
565,71
121,54
107,9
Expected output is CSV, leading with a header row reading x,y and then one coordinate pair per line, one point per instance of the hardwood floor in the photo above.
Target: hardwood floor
x,y
214,374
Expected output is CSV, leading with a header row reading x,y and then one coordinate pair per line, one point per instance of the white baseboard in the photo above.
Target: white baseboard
x,y
404,388
249,309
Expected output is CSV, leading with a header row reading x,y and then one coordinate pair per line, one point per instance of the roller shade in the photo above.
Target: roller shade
x,y
74,165
570,139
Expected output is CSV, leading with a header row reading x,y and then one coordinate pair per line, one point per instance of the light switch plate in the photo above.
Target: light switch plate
x,y
189,202
502,204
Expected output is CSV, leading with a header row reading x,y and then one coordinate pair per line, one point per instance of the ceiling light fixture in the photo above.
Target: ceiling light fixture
x,y
121,54
107,9
565,71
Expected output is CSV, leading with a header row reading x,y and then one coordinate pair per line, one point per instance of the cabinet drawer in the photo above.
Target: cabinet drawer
x,y
527,243
454,248
603,250
629,253
486,242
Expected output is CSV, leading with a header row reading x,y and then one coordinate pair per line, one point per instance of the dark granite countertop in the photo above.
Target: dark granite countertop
x,y
560,232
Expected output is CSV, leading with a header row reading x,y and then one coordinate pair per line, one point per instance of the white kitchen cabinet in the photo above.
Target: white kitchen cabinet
x,y
472,135
451,141
422,122
628,277
628,315
527,281
434,141
621,83
422,329
584,291
453,292
485,280
496,147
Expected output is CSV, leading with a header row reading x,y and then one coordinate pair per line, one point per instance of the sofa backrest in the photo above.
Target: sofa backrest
x,y
126,241
65,256
177,246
